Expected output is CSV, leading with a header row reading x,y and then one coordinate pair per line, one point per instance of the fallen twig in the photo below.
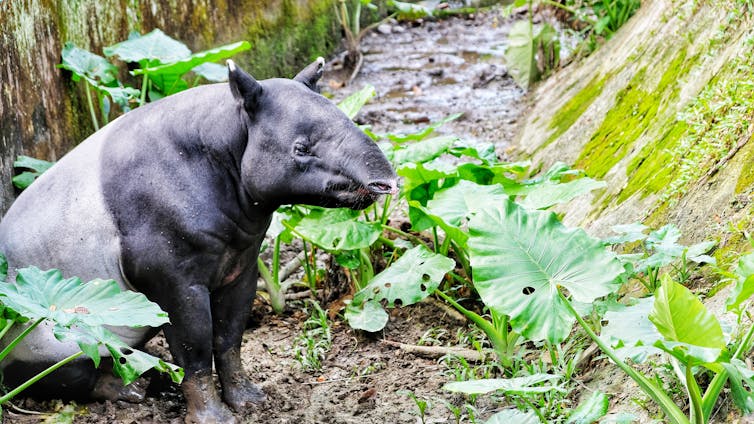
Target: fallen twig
x,y
302,295
435,352
448,310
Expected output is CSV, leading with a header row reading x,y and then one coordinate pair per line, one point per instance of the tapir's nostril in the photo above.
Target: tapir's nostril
x,y
383,187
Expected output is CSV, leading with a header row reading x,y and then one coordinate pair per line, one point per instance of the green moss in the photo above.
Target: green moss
x,y
633,111
636,108
651,170
282,46
745,181
574,108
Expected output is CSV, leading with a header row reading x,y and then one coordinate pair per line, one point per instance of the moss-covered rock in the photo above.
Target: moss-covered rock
x,y
664,114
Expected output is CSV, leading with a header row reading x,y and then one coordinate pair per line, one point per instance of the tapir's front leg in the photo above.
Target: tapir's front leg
x,y
231,306
190,338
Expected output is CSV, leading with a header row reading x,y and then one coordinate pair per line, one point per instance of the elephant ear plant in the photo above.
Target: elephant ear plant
x,y
77,312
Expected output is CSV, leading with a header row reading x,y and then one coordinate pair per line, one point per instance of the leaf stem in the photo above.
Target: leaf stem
x,y
496,339
8,325
718,382
91,107
144,87
671,410
10,395
405,235
695,395
18,338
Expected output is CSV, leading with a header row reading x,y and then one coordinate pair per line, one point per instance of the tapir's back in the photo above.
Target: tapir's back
x,y
61,221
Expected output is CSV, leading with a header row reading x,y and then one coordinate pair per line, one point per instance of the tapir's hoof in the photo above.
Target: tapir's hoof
x,y
110,387
240,396
214,414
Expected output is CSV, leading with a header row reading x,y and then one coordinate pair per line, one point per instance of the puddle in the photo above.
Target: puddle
x,y
438,69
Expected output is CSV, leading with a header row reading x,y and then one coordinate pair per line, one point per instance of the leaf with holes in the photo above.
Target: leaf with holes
x,y
520,259
411,278
128,363
338,229
46,294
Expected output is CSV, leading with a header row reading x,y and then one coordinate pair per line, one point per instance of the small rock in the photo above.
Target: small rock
x,y
398,29
384,29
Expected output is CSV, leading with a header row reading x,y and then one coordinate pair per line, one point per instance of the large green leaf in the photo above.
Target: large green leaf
x,y
352,104
150,49
423,133
549,194
521,54
510,416
518,385
414,276
46,294
680,316
457,203
591,410
128,363
520,259
185,64
338,229
411,278
744,288
627,233
631,332
213,72
423,151
85,64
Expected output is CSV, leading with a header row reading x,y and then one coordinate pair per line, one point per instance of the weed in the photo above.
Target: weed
x,y
311,346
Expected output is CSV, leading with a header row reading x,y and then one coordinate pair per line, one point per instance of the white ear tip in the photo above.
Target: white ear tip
x,y
231,65
321,61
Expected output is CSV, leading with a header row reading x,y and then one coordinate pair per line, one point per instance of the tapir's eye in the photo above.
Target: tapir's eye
x,y
301,149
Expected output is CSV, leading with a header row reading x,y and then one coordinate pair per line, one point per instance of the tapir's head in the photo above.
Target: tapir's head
x,y
302,149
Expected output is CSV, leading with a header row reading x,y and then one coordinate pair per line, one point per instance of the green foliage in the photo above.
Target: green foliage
x,y
78,313
591,410
529,384
315,340
521,260
36,166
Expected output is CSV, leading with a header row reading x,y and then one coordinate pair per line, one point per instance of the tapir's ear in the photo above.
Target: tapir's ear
x,y
244,87
311,74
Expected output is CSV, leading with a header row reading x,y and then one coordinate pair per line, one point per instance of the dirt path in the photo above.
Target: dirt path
x,y
421,73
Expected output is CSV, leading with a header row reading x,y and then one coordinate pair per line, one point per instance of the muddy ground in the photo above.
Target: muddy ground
x,y
422,72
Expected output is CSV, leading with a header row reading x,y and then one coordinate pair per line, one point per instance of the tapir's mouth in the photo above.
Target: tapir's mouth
x,y
358,196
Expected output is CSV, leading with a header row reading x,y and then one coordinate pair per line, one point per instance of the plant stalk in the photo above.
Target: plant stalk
x,y
718,382
18,338
10,395
695,395
8,325
91,107
671,410
496,339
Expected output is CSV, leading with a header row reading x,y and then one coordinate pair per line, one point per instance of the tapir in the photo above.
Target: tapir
x,y
173,200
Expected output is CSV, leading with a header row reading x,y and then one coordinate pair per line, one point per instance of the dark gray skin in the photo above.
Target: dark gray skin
x,y
173,200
